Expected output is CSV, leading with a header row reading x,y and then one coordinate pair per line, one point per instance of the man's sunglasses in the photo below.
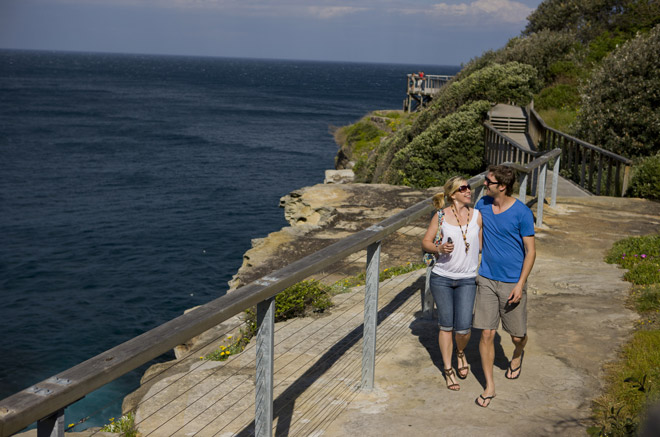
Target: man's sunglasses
x,y
463,188
489,182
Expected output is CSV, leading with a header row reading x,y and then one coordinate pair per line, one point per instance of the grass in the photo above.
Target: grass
x,y
560,119
633,381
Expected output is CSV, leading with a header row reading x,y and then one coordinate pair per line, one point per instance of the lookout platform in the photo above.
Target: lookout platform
x,y
420,89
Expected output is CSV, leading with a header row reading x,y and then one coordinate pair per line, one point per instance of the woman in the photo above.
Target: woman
x,y
453,278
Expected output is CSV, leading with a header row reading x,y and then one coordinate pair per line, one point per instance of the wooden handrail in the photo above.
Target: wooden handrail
x,y
590,166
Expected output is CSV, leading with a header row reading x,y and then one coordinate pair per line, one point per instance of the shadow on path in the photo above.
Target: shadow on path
x,y
284,404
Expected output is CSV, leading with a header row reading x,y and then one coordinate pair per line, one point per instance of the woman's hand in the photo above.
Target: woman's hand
x,y
445,248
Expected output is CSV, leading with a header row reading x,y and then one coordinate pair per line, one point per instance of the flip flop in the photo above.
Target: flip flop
x,y
483,403
511,371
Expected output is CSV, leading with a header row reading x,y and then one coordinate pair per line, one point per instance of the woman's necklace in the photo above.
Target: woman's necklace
x,y
467,245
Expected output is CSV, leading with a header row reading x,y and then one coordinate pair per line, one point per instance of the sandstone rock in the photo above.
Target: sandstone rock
x,y
339,176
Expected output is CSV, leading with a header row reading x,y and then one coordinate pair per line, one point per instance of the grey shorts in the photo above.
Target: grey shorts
x,y
491,305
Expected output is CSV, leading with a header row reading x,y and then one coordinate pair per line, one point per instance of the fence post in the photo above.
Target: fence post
x,y
370,317
555,181
626,180
427,297
540,194
522,195
51,426
263,418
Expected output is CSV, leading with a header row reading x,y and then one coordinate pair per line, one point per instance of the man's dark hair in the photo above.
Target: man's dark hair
x,y
505,176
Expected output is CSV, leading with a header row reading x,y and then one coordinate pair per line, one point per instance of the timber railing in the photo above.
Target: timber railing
x,y
46,401
597,170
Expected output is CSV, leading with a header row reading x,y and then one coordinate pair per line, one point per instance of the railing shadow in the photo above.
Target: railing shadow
x,y
283,405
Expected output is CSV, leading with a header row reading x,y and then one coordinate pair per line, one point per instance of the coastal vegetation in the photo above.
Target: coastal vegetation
x,y
633,380
124,426
592,69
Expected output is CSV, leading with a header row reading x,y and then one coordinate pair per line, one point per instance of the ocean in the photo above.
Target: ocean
x,y
131,186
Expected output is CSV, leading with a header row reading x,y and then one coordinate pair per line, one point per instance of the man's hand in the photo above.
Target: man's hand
x,y
516,294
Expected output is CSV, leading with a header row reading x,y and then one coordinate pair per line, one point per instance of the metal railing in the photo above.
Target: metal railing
x,y
428,85
45,402
597,170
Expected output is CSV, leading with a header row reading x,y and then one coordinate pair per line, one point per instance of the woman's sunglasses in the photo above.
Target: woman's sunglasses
x,y
463,188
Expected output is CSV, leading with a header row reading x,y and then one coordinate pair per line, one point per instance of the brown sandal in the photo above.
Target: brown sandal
x,y
459,370
449,373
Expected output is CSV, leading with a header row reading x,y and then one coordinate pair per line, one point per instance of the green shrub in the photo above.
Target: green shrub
x,y
453,145
559,96
124,426
633,250
560,119
644,273
645,180
511,82
647,298
604,44
362,136
632,386
301,298
550,53
620,107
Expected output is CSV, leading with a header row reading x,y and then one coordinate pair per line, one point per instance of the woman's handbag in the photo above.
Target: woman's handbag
x,y
430,258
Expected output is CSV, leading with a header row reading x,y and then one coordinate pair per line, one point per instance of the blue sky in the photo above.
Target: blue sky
x,y
397,31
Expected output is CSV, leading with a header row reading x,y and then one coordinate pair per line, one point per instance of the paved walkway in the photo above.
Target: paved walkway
x,y
577,321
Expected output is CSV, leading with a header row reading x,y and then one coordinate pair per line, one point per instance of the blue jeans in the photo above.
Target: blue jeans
x,y
454,299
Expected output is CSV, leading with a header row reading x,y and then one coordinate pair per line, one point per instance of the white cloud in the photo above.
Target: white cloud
x,y
326,12
502,11
451,12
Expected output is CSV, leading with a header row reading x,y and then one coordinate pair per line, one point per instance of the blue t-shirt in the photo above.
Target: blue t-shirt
x,y
503,250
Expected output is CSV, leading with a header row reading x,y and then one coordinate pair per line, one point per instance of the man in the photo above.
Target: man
x,y
507,258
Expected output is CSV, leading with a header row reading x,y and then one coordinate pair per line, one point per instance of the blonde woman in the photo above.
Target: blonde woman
x,y
453,278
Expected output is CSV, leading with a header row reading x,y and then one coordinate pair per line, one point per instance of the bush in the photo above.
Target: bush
x,y
512,82
644,273
125,426
645,180
647,298
548,52
560,96
453,145
301,298
633,250
620,107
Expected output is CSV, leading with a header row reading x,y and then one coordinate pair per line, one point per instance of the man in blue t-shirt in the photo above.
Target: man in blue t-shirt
x,y
507,258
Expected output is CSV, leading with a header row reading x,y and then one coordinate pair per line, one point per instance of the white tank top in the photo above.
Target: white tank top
x,y
458,264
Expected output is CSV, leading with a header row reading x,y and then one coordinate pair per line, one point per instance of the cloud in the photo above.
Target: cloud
x,y
449,12
502,11
325,12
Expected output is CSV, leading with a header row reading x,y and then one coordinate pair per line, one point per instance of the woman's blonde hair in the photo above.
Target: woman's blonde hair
x,y
449,189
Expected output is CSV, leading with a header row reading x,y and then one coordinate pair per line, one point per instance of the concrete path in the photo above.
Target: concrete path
x,y
577,320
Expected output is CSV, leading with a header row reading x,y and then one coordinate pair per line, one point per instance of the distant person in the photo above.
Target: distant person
x,y
508,255
453,276
421,80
